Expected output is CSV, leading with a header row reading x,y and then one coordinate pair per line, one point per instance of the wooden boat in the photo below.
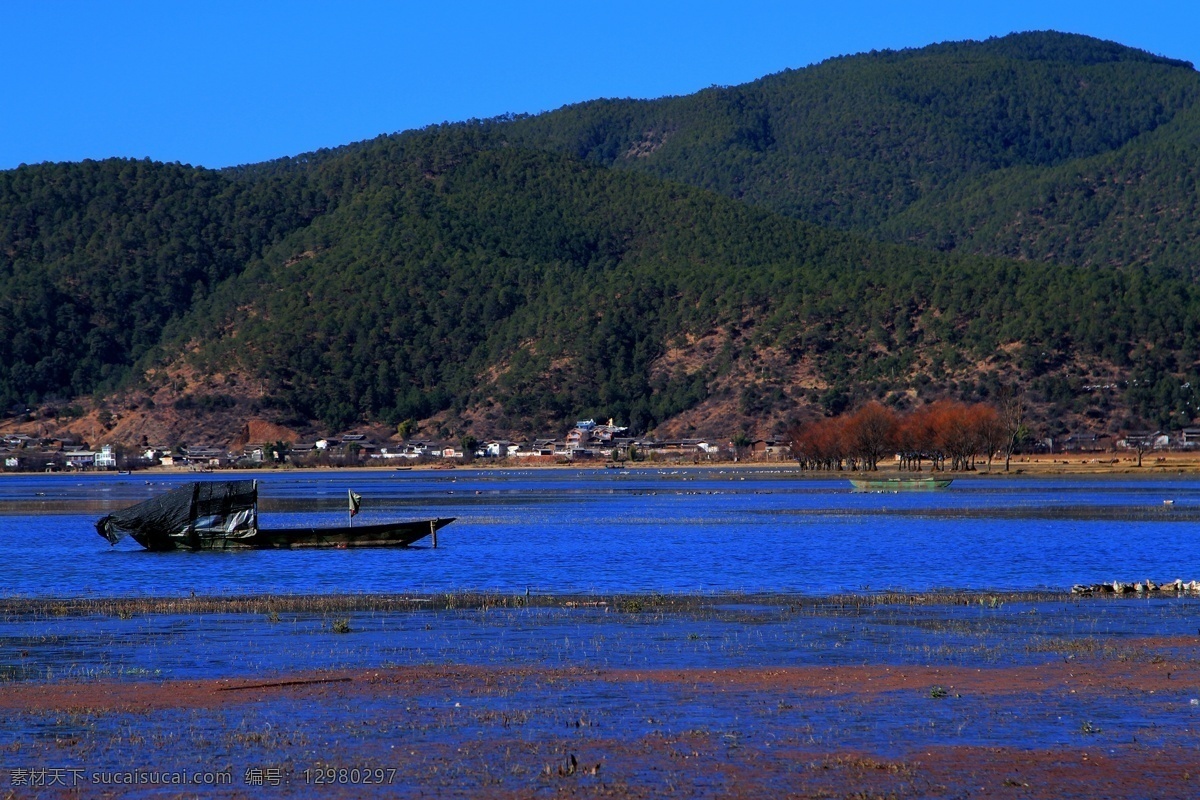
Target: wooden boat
x,y
223,515
899,484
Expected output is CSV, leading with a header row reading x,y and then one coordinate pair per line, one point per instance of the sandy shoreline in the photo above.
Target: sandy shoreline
x,y
1153,674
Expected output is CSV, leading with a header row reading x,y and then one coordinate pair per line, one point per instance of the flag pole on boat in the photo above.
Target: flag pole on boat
x,y
355,502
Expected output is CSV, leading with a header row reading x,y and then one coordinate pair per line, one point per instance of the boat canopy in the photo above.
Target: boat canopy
x,y
187,516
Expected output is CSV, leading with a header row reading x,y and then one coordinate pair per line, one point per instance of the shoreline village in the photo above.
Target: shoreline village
x,y
833,445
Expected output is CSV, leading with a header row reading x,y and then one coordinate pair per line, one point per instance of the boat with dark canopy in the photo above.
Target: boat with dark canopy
x,y
223,515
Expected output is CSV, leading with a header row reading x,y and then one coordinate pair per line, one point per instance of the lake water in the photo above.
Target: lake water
x,y
604,531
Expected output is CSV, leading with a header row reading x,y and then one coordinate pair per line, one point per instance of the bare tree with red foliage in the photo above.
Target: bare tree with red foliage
x,y
820,444
917,440
993,433
871,434
944,431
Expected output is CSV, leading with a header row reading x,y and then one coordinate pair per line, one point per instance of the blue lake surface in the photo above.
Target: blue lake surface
x,y
604,531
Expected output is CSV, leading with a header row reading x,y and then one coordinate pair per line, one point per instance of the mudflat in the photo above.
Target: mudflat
x,y
927,695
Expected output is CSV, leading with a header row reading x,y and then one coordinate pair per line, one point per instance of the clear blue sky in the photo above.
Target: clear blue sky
x,y
222,83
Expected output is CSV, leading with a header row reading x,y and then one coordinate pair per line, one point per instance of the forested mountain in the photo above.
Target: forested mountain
x,y
1138,205
96,257
717,262
1001,147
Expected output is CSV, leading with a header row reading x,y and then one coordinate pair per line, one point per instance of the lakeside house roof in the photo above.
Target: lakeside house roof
x,y
203,451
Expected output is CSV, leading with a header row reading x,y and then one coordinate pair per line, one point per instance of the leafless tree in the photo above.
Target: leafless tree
x,y
1012,417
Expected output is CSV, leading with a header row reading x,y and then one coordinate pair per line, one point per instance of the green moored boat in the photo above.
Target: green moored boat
x,y
899,484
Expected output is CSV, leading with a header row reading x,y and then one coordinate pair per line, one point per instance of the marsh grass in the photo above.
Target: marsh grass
x,y
271,605
571,630
55,639
1092,647
862,764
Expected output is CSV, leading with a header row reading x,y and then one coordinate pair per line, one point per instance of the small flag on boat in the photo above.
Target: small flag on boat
x,y
355,502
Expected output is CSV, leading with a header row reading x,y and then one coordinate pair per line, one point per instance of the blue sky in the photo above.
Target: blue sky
x,y
222,83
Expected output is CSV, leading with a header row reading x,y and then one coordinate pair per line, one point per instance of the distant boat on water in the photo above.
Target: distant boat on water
x,y
899,484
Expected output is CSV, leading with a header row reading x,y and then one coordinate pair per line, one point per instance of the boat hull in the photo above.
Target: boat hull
x,y
223,515
899,484
388,534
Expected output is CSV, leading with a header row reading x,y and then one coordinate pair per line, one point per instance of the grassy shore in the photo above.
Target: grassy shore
x,y
1082,464
484,601
1030,465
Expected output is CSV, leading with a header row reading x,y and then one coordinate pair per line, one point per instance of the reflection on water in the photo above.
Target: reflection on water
x,y
643,530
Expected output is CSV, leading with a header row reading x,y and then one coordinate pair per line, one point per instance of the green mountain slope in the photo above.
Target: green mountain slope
x,y
96,257
519,289
854,141
644,260
1137,205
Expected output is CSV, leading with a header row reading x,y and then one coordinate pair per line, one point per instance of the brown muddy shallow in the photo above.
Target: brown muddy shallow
x,y
713,697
